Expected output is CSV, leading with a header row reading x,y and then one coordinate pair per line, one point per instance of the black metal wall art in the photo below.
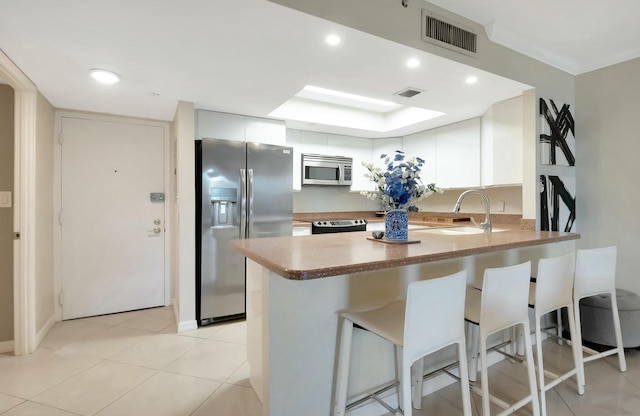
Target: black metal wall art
x,y
557,136
557,203
557,147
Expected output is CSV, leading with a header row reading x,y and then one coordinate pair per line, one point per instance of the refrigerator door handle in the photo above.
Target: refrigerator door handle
x,y
243,203
250,202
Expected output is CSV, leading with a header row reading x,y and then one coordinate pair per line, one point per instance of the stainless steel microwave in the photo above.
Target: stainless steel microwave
x,y
326,170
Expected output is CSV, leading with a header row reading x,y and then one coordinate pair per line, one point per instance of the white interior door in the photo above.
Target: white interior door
x,y
112,234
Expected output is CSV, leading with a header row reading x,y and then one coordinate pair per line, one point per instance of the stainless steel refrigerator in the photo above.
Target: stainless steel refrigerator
x,y
244,190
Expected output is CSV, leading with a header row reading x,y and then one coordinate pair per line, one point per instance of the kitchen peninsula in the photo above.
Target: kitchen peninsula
x,y
296,287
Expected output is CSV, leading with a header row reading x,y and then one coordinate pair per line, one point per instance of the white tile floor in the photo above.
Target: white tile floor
x,y
608,391
131,364
135,364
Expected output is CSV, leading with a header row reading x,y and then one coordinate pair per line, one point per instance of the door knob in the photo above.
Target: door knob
x,y
157,221
156,230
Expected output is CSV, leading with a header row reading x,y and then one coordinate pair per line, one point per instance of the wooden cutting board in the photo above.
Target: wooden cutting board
x,y
446,219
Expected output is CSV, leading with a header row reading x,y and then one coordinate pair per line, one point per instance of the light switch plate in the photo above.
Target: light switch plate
x,y
5,199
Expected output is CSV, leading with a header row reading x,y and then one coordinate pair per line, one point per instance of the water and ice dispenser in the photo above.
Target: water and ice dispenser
x,y
223,206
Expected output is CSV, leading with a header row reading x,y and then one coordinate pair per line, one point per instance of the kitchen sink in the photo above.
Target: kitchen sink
x,y
458,230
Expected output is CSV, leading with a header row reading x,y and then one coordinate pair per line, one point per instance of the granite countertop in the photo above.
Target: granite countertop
x,y
325,255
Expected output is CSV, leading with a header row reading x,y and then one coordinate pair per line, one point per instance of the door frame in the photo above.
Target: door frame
x,y
24,206
57,203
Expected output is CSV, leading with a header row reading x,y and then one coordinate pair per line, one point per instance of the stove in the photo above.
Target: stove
x,y
338,226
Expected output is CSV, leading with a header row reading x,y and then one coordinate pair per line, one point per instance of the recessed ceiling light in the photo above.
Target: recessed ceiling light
x,y
471,80
333,39
413,63
104,76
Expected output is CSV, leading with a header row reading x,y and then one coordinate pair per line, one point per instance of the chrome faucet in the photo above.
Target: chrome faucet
x,y
486,225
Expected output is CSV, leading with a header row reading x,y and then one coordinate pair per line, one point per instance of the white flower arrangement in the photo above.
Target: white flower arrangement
x,y
399,185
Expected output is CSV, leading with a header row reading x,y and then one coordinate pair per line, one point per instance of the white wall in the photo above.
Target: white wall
x,y
45,313
330,199
6,215
510,195
185,296
529,159
607,149
389,20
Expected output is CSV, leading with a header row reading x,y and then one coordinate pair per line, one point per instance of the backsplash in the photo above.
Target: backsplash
x,y
340,199
424,216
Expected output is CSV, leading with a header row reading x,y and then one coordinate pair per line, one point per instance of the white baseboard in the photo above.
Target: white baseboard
x,y
183,326
6,346
45,330
176,313
187,326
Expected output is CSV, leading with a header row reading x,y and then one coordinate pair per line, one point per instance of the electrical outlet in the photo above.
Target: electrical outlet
x,y
500,206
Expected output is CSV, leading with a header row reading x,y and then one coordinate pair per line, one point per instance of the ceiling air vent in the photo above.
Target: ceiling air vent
x,y
439,32
408,92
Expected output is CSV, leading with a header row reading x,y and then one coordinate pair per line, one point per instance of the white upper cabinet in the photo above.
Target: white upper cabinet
x,y
381,147
313,142
264,130
385,146
458,154
502,143
304,141
423,145
451,154
478,152
293,140
216,125
359,149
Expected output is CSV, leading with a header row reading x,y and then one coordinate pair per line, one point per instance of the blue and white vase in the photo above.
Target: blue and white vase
x,y
396,225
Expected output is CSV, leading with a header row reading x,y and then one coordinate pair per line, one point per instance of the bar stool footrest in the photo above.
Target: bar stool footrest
x,y
372,396
594,355
508,408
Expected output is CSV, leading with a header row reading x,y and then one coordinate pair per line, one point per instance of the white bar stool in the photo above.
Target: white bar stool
x,y
430,319
553,290
502,304
596,274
